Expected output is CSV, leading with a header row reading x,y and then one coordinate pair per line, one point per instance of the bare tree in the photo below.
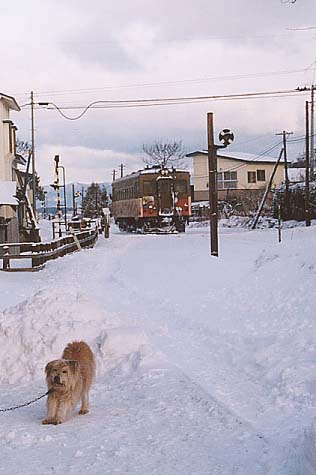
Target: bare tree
x,y
23,148
164,154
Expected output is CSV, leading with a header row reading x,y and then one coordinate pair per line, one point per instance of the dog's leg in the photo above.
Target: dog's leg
x,y
84,402
51,410
63,408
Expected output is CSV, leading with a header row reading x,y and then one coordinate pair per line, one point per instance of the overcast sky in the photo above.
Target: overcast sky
x,y
73,52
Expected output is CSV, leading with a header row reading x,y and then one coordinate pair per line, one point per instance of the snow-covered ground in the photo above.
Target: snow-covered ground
x,y
204,366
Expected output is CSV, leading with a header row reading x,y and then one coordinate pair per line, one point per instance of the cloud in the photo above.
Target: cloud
x,y
72,53
83,164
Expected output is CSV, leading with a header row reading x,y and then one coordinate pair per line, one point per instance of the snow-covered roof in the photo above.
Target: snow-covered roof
x,y
148,171
242,156
7,193
10,101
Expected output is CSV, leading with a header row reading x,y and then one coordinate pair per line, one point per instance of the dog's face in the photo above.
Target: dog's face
x,y
61,374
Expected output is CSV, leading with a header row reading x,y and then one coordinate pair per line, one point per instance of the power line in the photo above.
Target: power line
x,y
106,104
256,159
176,82
304,28
182,81
261,154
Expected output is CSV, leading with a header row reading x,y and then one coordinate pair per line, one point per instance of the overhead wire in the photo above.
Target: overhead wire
x,y
175,82
106,104
261,154
256,159
182,81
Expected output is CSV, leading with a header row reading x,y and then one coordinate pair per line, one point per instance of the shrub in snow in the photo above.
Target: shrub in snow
x,y
296,207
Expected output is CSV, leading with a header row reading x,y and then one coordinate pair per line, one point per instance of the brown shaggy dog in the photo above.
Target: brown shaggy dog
x,y
69,380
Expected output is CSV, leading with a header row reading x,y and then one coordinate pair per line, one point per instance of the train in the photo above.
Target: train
x,y
154,199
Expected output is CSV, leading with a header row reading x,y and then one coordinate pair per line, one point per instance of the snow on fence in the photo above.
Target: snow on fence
x,y
34,255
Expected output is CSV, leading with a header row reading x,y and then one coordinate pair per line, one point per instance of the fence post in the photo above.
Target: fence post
x,y
6,258
106,218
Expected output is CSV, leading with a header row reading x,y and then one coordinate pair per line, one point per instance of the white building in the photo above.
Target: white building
x,y
238,174
9,227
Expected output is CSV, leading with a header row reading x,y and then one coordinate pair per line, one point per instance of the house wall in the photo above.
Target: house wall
x,y
9,229
200,165
6,157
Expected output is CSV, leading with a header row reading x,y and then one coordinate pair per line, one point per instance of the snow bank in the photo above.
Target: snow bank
x,y
37,330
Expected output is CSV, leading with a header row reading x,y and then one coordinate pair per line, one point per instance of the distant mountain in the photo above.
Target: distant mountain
x,y
51,195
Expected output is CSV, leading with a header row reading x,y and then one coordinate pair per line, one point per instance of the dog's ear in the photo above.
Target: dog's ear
x,y
49,367
74,365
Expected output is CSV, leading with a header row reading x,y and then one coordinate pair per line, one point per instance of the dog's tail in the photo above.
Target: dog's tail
x,y
79,351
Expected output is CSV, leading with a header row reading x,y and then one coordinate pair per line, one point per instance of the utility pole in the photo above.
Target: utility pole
x,y
82,196
113,175
286,173
122,170
73,200
226,137
33,154
96,200
212,184
307,210
312,149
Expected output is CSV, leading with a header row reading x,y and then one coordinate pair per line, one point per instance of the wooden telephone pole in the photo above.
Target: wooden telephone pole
x,y
226,137
212,185
307,206
33,155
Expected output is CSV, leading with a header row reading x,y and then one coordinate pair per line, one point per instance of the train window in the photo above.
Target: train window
x,y
164,185
149,187
180,186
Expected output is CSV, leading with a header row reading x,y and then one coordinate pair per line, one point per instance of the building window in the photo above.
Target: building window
x,y
261,175
226,180
252,177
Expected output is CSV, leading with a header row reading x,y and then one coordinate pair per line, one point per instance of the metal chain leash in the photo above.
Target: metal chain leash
x,y
25,404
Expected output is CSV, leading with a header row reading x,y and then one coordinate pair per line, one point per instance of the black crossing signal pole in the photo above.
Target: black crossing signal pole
x,y
226,137
56,185
57,188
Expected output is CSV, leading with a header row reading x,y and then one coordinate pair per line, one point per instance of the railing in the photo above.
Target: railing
x,y
36,254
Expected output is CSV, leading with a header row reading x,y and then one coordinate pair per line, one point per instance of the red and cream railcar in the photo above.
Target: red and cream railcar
x,y
152,199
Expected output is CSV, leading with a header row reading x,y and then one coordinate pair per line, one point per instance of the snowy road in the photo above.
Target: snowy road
x,y
205,366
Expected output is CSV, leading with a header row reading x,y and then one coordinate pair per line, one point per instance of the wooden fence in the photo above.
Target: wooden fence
x,y
34,255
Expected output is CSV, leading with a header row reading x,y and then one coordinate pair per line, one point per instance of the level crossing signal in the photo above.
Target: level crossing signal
x,y
226,137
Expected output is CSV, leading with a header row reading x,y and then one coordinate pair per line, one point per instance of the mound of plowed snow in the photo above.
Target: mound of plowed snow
x,y
37,330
